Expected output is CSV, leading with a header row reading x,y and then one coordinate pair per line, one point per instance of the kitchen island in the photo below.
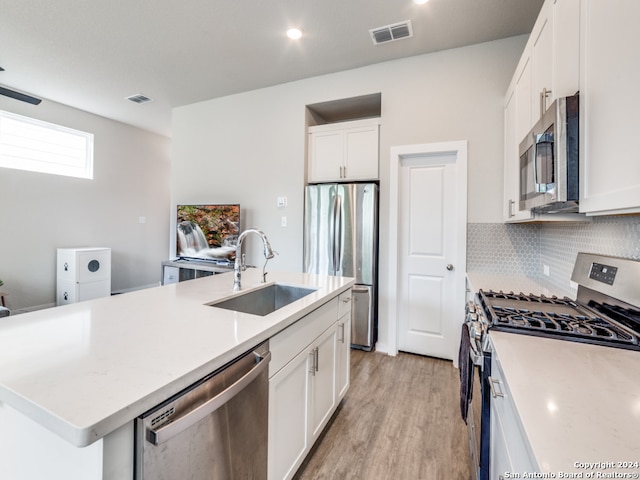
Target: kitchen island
x,y
77,376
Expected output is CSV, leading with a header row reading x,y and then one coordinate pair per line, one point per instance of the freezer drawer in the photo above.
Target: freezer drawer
x,y
362,317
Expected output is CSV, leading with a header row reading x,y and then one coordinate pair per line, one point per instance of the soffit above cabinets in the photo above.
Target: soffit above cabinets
x,y
345,109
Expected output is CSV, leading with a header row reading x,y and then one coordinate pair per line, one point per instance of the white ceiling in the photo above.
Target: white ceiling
x,y
91,54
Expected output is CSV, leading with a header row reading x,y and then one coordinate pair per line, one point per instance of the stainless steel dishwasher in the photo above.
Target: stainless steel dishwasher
x,y
215,429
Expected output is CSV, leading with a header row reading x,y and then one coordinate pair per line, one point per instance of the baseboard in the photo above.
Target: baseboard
x,y
18,311
133,289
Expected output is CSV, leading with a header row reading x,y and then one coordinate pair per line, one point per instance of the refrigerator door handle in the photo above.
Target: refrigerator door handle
x,y
332,236
337,237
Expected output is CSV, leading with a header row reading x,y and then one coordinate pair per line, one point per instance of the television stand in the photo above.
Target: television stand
x,y
180,270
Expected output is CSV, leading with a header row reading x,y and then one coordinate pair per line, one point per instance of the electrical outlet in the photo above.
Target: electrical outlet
x,y
545,269
283,221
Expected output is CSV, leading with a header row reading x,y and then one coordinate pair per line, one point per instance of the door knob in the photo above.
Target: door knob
x,y
449,267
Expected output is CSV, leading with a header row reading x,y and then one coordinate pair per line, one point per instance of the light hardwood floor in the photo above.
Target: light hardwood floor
x,y
400,420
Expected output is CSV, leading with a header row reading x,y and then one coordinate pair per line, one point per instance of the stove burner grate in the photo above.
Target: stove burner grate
x,y
553,317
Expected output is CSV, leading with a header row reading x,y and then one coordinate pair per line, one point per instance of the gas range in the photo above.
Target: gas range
x,y
606,311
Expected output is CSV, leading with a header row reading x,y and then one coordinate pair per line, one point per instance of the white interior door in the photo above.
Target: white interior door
x,y
430,214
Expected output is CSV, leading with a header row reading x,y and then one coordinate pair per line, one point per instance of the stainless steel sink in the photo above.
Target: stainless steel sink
x,y
265,300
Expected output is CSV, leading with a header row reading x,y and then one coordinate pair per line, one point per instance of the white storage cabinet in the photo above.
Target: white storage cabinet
x,y
609,104
343,362
308,375
82,274
510,450
345,151
549,68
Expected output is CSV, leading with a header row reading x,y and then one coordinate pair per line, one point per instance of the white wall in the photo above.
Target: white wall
x,y
39,212
250,148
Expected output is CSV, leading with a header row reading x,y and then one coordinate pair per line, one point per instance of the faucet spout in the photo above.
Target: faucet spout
x,y
239,265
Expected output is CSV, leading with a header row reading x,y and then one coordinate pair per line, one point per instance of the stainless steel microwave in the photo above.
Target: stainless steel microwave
x,y
549,160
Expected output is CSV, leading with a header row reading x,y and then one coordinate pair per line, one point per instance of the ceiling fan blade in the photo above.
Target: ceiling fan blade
x,y
19,96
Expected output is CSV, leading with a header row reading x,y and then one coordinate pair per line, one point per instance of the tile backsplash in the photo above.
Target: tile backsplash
x,y
524,249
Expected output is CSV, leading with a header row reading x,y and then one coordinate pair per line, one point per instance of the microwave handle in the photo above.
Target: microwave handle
x,y
540,139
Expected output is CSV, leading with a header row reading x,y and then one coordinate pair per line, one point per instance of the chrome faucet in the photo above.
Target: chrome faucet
x,y
239,265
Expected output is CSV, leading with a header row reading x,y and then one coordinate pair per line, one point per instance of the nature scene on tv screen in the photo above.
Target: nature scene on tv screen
x,y
207,231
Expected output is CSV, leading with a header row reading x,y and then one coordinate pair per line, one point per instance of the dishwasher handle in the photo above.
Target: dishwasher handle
x,y
156,436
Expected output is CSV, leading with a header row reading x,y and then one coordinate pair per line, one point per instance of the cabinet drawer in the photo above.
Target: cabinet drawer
x,y
344,303
287,344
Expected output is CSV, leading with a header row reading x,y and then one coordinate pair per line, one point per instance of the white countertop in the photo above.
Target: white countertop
x,y
577,402
85,369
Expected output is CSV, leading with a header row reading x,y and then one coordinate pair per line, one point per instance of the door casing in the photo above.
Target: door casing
x,y
459,149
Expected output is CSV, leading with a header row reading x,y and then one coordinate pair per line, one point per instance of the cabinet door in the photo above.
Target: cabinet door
x,y
361,153
499,463
511,207
343,366
326,155
323,382
566,48
289,438
542,58
524,114
610,101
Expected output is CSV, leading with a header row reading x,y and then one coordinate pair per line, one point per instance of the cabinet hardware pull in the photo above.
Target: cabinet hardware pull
x,y
317,357
543,100
496,387
512,212
312,362
342,333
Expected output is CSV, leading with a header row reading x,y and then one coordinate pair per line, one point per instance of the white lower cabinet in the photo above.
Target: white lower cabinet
x,y
323,381
510,450
288,407
309,374
343,362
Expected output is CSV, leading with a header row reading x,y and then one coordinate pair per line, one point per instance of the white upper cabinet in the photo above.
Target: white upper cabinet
x,y
511,208
542,62
548,69
344,151
566,48
610,101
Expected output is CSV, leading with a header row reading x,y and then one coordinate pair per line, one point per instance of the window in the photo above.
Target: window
x,y
37,146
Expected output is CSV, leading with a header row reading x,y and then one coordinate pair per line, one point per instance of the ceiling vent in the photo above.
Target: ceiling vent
x,y
391,33
139,98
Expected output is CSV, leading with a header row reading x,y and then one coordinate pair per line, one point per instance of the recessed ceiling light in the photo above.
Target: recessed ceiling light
x,y
294,33
420,2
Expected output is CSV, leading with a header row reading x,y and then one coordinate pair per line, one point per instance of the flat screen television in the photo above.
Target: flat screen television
x,y
207,232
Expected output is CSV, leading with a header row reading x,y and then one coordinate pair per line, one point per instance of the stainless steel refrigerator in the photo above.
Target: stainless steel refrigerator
x,y
341,238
